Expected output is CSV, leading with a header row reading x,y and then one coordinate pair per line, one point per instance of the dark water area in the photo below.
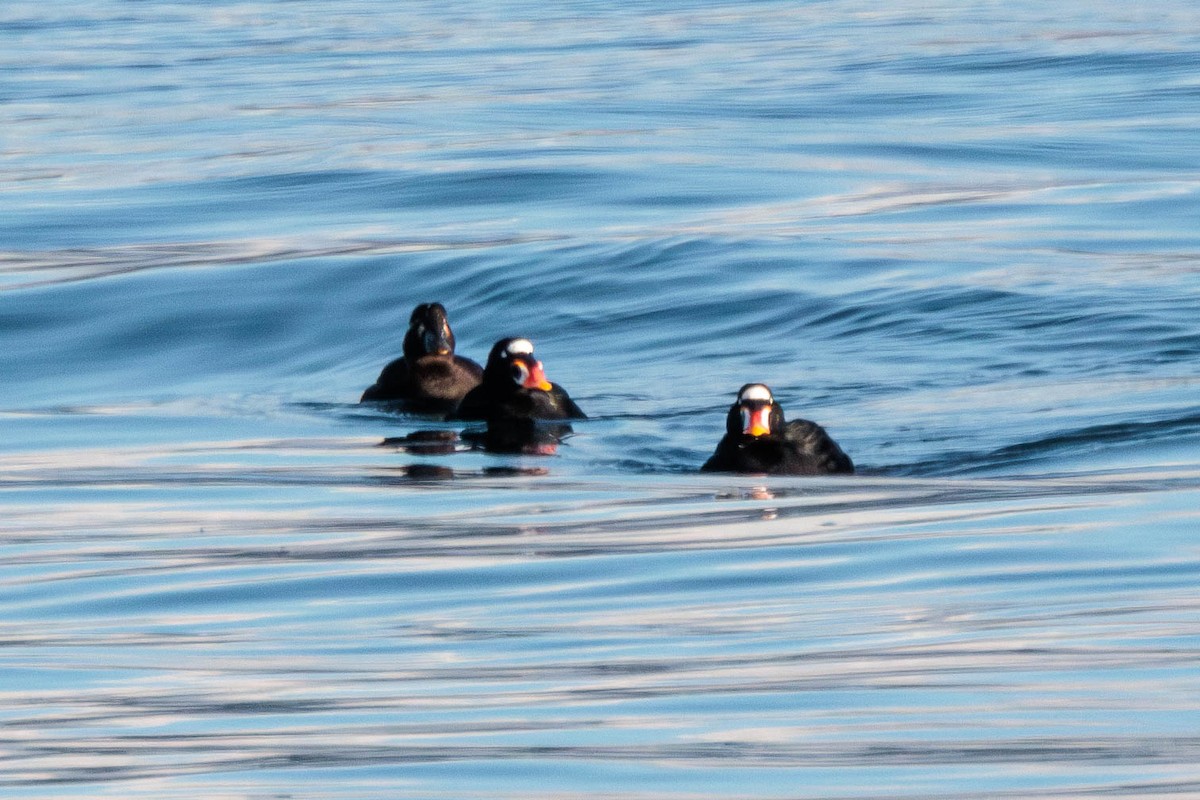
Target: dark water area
x,y
961,237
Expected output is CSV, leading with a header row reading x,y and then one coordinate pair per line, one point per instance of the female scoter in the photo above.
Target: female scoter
x,y
514,387
429,378
757,440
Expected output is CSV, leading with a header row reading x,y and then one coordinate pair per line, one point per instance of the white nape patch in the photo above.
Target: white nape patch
x,y
758,392
519,347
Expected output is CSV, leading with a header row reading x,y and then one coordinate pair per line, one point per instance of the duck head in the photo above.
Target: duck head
x,y
755,412
428,333
512,361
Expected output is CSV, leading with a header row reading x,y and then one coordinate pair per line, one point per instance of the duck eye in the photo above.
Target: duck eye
x,y
520,373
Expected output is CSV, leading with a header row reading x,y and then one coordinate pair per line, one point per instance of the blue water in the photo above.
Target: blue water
x,y
961,236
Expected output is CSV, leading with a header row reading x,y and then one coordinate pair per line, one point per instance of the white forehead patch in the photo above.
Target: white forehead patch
x,y
758,392
519,347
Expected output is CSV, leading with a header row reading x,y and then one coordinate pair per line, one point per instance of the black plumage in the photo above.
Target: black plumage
x,y
758,440
429,377
514,387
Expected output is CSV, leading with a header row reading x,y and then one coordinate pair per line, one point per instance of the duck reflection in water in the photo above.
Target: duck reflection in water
x,y
521,439
520,436
425,443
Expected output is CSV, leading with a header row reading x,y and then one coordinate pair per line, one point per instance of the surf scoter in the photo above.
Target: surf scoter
x,y
514,387
757,440
429,378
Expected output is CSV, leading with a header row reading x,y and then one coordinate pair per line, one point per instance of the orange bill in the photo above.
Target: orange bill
x,y
756,420
537,378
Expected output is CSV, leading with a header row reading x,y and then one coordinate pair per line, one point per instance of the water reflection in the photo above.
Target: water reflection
x,y
505,437
515,437
425,442
971,630
519,436
426,472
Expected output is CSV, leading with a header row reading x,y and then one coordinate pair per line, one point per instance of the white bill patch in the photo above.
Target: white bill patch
x,y
758,392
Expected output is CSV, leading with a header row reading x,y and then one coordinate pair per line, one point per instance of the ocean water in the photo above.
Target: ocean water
x,y
961,236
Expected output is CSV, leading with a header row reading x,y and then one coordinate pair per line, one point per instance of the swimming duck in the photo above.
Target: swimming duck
x,y
514,387
758,440
429,378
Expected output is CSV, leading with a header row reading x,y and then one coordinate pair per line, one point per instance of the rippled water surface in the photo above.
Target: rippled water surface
x,y
961,236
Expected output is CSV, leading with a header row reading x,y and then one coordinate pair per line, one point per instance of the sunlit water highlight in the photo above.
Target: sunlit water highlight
x,y
961,237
